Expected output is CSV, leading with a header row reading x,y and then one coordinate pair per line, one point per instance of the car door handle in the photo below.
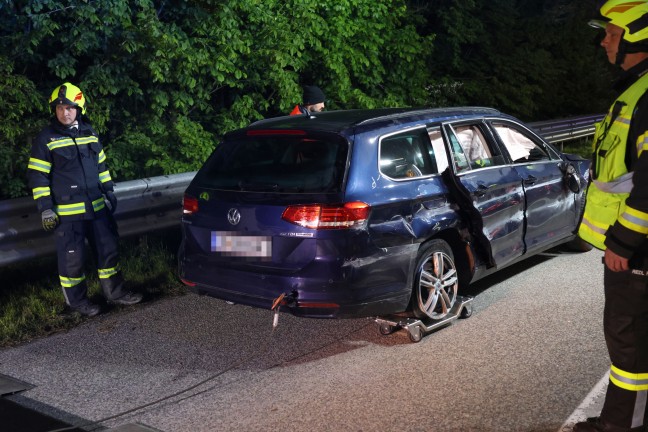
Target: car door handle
x,y
481,190
530,180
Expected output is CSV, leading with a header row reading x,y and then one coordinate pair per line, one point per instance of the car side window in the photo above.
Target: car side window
x,y
521,147
471,148
406,155
437,151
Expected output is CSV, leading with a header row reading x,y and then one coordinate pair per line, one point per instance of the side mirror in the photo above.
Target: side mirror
x,y
571,178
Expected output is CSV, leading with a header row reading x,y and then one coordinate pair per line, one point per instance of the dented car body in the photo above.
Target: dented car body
x,y
373,212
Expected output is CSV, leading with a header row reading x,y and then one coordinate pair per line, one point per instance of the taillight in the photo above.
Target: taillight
x,y
318,216
189,205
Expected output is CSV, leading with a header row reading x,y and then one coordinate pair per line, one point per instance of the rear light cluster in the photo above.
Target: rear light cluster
x,y
317,216
189,205
314,216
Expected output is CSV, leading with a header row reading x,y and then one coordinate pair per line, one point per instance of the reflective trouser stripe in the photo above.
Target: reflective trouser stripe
x,y
633,382
67,282
108,272
639,409
627,380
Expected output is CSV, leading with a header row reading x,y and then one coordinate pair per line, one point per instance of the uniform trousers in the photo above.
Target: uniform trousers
x,y
625,325
103,240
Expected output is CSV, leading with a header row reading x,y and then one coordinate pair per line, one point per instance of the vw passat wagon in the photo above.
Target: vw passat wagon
x,y
372,212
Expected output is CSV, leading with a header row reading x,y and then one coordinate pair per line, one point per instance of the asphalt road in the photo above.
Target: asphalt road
x,y
524,361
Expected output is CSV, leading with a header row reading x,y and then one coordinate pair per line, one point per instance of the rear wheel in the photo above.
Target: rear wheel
x,y
436,281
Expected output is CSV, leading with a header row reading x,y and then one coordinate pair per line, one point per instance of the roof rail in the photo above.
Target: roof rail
x,y
427,111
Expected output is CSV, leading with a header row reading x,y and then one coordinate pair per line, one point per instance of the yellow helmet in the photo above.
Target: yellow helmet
x,y
631,16
67,94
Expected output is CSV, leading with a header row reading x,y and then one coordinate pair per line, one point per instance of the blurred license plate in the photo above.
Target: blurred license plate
x,y
233,244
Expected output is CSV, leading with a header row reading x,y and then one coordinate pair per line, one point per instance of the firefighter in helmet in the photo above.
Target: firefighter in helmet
x,y
616,218
73,190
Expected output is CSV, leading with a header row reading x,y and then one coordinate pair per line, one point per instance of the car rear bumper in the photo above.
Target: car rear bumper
x,y
313,308
323,291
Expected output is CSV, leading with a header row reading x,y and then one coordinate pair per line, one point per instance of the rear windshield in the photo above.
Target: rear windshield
x,y
277,163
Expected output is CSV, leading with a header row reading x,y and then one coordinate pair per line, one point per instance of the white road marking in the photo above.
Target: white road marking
x,y
591,405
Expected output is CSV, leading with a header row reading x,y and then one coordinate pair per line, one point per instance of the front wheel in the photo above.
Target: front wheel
x,y
436,281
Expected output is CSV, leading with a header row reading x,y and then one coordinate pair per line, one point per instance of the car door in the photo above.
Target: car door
x,y
408,189
551,212
487,189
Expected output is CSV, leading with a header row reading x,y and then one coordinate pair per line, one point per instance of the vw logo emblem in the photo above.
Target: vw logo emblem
x,y
234,216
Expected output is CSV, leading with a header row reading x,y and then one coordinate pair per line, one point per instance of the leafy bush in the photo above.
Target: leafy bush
x,y
165,80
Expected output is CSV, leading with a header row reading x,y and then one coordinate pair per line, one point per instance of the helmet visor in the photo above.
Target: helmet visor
x,y
597,23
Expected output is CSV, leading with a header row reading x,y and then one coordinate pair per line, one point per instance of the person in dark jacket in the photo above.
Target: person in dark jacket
x,y
312,101
616,219
70,182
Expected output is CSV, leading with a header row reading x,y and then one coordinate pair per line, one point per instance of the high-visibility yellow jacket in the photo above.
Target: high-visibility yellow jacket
x,y
611,182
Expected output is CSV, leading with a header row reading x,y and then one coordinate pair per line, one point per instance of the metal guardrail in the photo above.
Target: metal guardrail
x,y
558,131
150,204
145,205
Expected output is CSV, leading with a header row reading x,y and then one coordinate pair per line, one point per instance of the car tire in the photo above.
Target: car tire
x,y
435,282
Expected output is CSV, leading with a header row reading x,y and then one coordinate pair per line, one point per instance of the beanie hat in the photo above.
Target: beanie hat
x,y
313,95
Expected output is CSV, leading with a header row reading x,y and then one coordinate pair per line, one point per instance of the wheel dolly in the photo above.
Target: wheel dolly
x,y
417,328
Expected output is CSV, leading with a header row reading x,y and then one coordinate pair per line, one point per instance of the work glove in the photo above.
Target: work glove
x,y
49,219
112,199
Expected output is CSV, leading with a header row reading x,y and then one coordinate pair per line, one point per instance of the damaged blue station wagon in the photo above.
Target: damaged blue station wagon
x,y
374,212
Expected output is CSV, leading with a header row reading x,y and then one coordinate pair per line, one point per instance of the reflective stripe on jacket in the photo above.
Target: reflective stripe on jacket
x,y
67,171
611,183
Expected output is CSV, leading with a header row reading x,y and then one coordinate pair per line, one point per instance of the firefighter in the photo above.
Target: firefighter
x,y
312,101
616,218
70,183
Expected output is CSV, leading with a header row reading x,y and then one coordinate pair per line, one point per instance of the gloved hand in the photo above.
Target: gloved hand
x,y
49,219
112,199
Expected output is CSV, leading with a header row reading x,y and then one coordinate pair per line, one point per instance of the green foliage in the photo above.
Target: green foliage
x,y
164,80
32,305
19,99
581,147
